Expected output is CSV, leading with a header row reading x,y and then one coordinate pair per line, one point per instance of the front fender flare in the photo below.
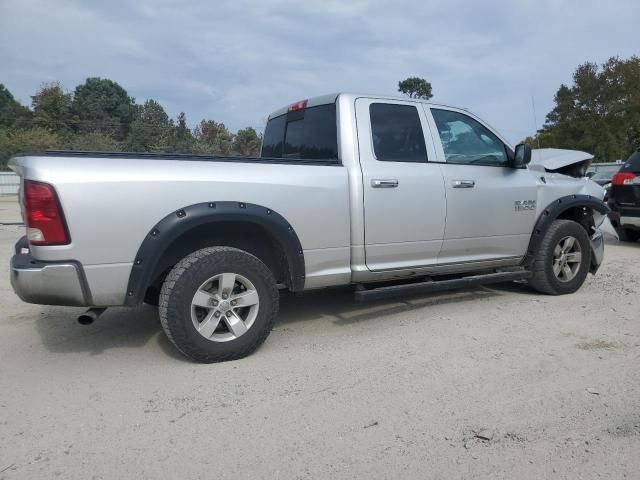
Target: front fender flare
x,y
181,221
552,212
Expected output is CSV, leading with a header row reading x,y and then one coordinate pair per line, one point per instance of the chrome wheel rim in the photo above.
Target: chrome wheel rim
x,y
224,307
567,258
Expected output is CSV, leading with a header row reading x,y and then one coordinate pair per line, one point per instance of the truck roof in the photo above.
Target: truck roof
x,y
332,97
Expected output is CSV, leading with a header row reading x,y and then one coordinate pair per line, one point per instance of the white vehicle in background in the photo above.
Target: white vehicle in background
x,y
392,195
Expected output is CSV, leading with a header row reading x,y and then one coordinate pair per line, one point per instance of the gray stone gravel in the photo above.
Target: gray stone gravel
x,y
487,383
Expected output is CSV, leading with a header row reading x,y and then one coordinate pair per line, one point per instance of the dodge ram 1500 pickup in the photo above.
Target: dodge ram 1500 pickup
x,y
392,195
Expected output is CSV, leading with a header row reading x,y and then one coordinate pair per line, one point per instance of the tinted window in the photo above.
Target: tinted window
x,y
464,140
397,134
304,134
273,139
632,164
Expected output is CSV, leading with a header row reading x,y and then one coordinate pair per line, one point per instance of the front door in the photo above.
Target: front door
x,y
404,202
490,205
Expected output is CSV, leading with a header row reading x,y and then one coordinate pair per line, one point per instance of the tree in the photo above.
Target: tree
x,y
103,106
599,113
415,87
213,138
12,114
150,130
181,140
52,109
92,141
246,143
34,139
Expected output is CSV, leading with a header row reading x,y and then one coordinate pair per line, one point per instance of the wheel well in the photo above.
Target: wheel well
x,y
245,236
578,208
580,214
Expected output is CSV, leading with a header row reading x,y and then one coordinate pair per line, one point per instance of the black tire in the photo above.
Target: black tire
x,y
185,279
628,235
544,279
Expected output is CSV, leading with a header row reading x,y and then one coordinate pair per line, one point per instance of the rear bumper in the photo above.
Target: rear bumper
x,y
47,283
630,221
625,215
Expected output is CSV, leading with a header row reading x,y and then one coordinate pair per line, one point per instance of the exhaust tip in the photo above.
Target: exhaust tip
x,y
90,316
85,319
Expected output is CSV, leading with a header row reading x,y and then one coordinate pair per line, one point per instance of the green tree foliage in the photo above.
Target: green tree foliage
x,y
52,109
246,143
100,115
92,141
151,129
599,113
103,106
415,87
213,138
12,114
181,139
34,139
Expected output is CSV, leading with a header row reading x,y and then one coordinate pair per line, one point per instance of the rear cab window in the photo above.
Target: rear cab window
x,y
302,134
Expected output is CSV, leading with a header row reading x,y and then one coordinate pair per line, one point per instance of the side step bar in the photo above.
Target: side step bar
x,y
380,293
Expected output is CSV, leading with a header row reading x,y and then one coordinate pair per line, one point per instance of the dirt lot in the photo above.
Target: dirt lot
x,y
489,383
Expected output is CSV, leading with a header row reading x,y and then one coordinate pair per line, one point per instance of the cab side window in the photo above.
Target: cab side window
x,y
466,141
397,133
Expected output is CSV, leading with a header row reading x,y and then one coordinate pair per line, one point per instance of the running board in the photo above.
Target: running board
x,y
380,293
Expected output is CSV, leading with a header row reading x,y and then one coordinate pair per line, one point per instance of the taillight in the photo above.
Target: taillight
x,y
623,178
301,105
44,219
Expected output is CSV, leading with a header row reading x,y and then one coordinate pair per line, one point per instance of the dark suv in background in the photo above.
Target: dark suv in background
x,y
624,199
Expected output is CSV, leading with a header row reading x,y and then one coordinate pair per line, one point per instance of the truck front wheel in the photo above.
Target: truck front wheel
x,y
218,304
561,263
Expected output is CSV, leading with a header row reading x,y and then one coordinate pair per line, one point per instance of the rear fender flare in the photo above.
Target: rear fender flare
x,y
174,225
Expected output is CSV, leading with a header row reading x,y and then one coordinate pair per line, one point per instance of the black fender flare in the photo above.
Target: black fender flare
x,y
171,227
552,212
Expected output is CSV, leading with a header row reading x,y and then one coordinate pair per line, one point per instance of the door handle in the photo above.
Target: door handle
x,y
384,183
463,184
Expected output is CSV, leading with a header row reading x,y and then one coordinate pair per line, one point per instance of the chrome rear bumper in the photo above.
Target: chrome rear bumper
x,y
47,283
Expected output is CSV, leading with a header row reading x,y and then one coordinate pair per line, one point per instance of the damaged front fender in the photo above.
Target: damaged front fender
x,y
602,228
573,163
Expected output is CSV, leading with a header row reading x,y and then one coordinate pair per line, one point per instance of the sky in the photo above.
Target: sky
x,y
236,61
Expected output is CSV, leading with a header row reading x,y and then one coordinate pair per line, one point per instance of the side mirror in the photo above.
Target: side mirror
x,y
522,156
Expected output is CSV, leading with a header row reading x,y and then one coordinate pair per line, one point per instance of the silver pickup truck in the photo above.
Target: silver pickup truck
x,y
392,195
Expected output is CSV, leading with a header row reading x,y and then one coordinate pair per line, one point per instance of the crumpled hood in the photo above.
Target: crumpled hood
x,y
556,158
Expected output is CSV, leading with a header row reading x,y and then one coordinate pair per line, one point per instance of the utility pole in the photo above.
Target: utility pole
x,y
535,120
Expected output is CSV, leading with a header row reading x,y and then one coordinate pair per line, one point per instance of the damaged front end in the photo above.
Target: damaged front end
x,y
601,227
566,170
572,163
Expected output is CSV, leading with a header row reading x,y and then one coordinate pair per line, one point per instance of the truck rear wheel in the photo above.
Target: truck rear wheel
x,y
218,304
562,261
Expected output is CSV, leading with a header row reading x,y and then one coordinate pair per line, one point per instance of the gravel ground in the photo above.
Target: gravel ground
x,y
486,383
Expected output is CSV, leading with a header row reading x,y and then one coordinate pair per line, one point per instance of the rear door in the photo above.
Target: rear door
x,y
490,205
404,203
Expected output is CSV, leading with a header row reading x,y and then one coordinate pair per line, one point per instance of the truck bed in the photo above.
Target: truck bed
x,y
112,200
